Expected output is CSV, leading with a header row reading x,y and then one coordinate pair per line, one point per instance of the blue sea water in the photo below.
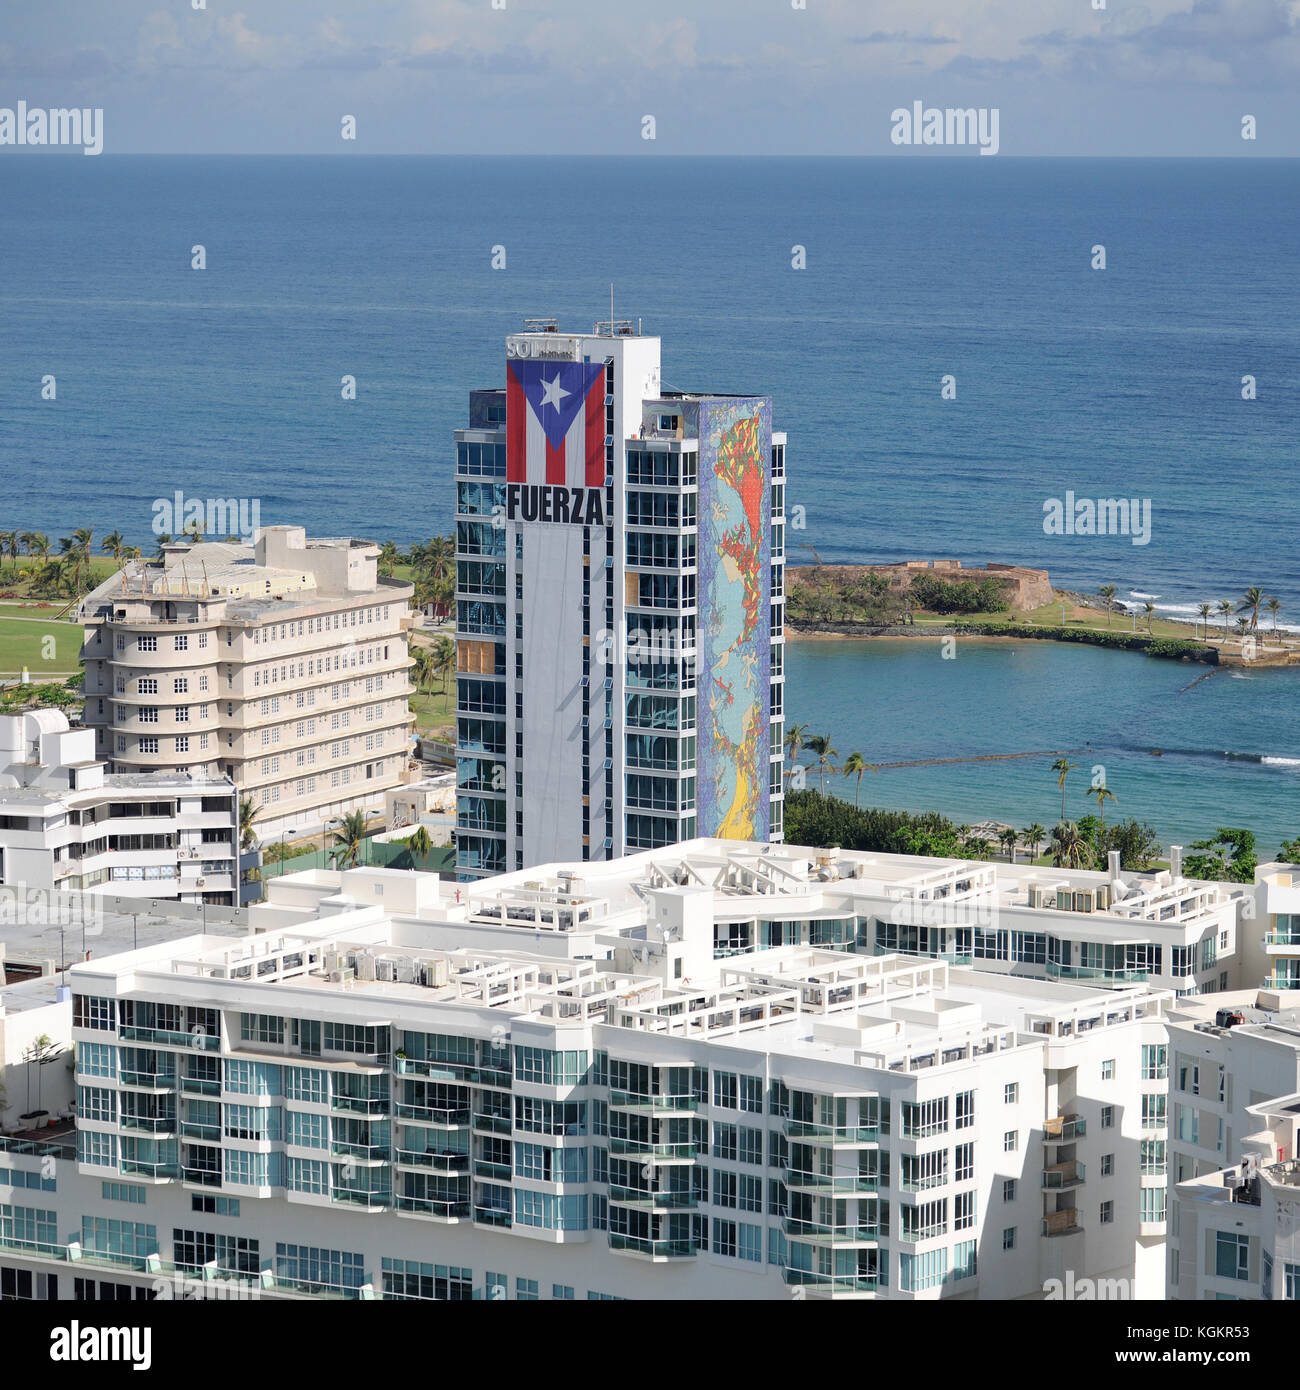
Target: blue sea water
x,y
226,382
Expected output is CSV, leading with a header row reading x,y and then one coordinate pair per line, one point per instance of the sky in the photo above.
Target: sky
x,y
739,77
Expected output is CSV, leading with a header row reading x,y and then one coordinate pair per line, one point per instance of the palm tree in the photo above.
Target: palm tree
x,y
794,737
7,539
194,532
1250,604
14,545
419,844
1148,609
38,544
1069,848
248,810
114,544
164,540
1224,609
1107,591
1203,609
1101,794
424,666
389,555
820,744
856,763
1009,837
349,837
77,549
1274,606
444,659
1033,836
1064,766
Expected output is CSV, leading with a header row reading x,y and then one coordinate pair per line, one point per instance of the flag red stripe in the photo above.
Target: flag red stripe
x,y
596,433
555,463
516,430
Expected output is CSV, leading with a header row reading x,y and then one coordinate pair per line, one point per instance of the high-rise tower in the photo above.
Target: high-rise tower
x,y
619,562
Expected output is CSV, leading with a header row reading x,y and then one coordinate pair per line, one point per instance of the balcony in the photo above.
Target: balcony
x,y
449,1164
362,1153
359,1105
493,1124
660,1153
456,1072
433,1209
823,1234
652,1201
1061,1223
435,1116
148,1080
1282,982
846,1184
492,1216
210,1133
1056,971
837,1136
149,1124
1062,1176
831,1285
1064,1129
199,1086
154,1172
369,1201
163,1037
650,1104
491,1172
656,1250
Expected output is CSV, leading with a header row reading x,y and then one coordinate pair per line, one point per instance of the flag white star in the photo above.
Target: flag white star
x,y
552,392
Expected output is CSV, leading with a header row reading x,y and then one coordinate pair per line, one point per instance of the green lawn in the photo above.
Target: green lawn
x,y
434,710
25,643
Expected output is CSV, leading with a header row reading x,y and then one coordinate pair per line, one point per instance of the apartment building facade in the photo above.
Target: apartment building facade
x,y
560,1086
1239,1226
1228,1055
68,826
620,632
282,665
1272,946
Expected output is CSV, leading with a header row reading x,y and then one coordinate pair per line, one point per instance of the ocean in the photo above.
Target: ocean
x,y
1123,382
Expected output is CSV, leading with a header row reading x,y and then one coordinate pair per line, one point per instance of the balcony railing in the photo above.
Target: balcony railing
x,y
1063,1175
635,1100
845,1135
199,1042
492,1216
833,1283
1281,982
437,1209
1064,1129
652,1249
493,1124
653,1201
199,1086
846,1183
456,1072
491,1171
360,1105
149,1124
825,1234
637,1148
438,1116
148,1080
1061,1223
452,1163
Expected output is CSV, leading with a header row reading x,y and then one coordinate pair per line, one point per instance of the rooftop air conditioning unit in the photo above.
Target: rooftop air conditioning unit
x,y
342,977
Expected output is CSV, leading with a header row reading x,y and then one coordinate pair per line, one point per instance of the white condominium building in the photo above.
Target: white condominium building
x,y
1271,949
619,563
1239,1227
65,824
558,1085
1228,1055
282,665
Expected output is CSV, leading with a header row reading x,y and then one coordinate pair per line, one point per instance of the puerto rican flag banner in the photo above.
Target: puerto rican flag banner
x,y
555,423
